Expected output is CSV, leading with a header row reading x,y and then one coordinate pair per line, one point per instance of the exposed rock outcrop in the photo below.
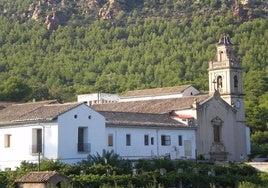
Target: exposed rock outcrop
x,y
36,14
57,12
239,12
93,4
106,9
54,20
247,3
111,8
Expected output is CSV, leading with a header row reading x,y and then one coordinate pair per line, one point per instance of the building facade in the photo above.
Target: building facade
x,y
145,136
68,132
219,116
178,122
72,131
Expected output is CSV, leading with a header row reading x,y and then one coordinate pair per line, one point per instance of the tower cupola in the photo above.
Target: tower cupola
x,y
225,72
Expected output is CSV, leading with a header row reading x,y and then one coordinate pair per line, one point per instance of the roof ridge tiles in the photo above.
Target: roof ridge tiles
x,y
36,102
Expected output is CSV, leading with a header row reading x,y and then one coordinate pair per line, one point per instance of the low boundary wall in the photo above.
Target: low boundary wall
x,y
261,166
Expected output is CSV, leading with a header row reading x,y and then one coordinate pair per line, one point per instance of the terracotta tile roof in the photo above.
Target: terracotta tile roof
x,y
141,119
38,177
49,112
5,104
35,111
158,106
156,91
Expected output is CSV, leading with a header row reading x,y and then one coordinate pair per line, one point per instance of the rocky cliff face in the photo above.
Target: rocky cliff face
x,y
57,12
239,12
111,8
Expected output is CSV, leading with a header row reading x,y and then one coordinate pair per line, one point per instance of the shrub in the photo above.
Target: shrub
x,y
168,164
3,179
247,185
145,165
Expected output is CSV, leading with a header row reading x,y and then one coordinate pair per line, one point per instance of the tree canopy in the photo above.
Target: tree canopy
x,y
150,44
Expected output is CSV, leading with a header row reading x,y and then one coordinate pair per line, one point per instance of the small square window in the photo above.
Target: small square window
x,y
165,140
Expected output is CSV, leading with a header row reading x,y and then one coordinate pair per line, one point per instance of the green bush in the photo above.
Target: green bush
x,y
248,185
99,169
263,178
3,179
193,175
144,165
168,164
145,179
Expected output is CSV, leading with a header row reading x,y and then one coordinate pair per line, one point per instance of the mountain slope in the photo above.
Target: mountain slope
x,y
57,49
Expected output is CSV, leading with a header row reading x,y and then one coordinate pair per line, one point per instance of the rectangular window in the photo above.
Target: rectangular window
x,y
37,142
180,140
152,140
80,139
146,140
82,145
7,140
165,140
188,147
110,140
128,140
216,130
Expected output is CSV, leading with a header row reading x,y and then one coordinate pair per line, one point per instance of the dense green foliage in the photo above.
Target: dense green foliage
x,y
149,44
148,174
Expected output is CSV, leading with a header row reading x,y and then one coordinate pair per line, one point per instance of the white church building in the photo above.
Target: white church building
x,y
177,122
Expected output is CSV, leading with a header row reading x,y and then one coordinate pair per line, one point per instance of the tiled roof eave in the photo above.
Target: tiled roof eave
x,y
149,124
38,177
206,100
157,91
149,95
30,121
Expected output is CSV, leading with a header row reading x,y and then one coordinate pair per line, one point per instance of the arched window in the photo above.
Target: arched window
x,y
235,81
219,83
221,55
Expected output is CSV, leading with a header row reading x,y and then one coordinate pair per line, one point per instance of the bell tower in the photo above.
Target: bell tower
x,y
225,74
225,78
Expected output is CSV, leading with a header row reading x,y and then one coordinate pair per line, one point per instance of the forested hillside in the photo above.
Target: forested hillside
x,y
58,49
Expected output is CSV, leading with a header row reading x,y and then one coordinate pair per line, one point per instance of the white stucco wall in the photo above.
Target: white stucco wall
x,y
97,98
59,138
190,91
151,97
68,133
187,92
21,143
138,149
50,140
